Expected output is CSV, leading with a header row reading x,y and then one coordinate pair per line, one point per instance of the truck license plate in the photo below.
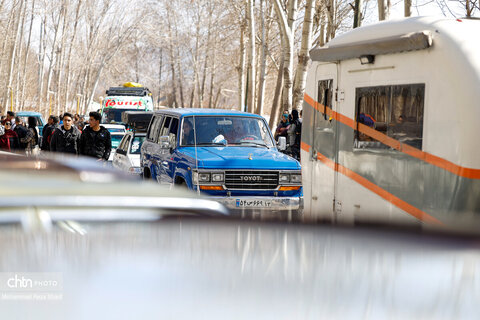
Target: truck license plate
x,y
253,203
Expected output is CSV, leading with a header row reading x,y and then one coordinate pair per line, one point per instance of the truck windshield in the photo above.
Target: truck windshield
x,y
114,115
225,130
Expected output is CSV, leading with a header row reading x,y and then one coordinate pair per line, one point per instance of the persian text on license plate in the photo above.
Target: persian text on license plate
x,y
253,203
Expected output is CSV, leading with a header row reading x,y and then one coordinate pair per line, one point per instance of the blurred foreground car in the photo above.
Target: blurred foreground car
x,y
78,249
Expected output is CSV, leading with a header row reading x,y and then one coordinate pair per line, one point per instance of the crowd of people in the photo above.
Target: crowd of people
x,y
290,127
65,134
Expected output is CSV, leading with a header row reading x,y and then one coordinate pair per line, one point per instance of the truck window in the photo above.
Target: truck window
x,y
396,111
172,132
154,128
165,127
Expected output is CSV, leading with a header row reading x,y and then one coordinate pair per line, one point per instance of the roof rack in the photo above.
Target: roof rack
x,y
138,120
128,91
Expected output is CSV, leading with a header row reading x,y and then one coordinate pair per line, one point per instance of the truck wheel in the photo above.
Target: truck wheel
x,y
146,174
180,184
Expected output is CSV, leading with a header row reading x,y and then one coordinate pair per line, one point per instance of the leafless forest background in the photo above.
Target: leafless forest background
x,y
237,54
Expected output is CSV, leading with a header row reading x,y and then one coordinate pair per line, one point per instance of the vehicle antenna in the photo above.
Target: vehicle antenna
x,y
196,157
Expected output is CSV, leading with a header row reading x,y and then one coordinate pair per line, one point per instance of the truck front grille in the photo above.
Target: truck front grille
x,y
251,180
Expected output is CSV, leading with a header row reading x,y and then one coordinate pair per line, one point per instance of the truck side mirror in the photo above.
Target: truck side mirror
x,y
282,143
164,142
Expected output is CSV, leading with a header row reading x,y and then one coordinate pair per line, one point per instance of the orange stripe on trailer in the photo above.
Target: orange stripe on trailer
x,y
305,146
383,138
412,210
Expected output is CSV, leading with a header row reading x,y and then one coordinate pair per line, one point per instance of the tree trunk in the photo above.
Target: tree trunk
x,y
331,25
251,57
11,18
180,79
172,63
212,76
52,53
408,8
69,55
195,59
12,57
357,15
287,27
263,64
19,105
303,57
207,50
275,112
41,57
27,51
381,10
60,103
160,78
241,70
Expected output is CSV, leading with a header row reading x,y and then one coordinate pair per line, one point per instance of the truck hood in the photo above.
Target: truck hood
x,y
242,158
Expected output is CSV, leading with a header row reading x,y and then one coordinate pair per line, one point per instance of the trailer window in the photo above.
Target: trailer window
x,y
395,111
325,94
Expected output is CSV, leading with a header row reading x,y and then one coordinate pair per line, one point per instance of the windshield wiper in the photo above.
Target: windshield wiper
x,y
211,143
252,142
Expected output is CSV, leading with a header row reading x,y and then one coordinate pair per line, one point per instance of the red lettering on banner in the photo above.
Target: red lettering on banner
x,y
110,103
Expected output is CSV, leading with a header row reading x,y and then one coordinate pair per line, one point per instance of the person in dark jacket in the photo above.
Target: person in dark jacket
x,y
96,141
21,132
66,139
48,130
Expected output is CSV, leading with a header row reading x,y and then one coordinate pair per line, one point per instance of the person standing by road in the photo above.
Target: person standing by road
x,y
48,130
11,118
282,127
95,140
66,138
294,135
21,132
9,140
78,122
31,139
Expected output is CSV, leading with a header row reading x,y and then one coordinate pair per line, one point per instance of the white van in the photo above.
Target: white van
x,y
390,128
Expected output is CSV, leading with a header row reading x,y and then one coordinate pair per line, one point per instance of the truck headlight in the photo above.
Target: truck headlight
x,y
296,178
203,177
284,177
199,177
217,177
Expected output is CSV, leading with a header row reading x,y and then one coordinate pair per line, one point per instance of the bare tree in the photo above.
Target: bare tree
x,y
263,62
303,56
251,57
286,18
13,54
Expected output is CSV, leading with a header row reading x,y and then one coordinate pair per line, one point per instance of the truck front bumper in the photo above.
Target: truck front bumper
x,y
267,203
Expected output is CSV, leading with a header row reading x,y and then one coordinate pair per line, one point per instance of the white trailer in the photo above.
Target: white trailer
x,y
391,123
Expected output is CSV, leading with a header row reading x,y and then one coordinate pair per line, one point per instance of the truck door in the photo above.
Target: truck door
x,y
162,153
324,145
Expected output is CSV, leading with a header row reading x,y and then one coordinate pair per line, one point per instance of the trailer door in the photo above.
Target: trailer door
x,y
324,142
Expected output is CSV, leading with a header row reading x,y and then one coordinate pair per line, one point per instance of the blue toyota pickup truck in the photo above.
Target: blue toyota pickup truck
x,y
228,155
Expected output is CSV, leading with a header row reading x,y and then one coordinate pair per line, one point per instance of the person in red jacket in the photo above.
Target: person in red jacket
x,y
9,140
